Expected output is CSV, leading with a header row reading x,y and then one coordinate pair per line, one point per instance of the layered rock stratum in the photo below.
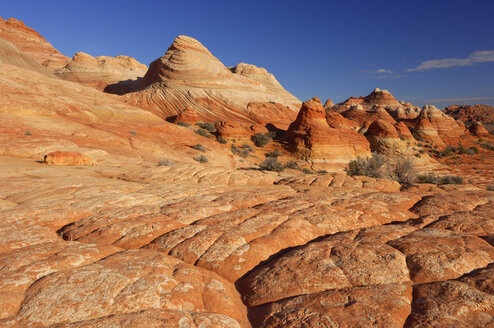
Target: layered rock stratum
x,y
188,75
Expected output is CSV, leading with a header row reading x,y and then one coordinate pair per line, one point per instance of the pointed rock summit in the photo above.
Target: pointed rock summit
x,y
311,136
189,75
477,129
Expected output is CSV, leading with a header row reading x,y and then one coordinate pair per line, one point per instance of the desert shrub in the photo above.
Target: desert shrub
x,y
488,146
420,144
133,132
451,179
271,164
27,133
428,178
245,152
470,151
183,124
447,151
221,140
199,147
402,170
475,149
490,187
246,146
292,165
307,171
370,167
235,149
201,159
165,162
202,132
261,139
208,126
274,153
461,150
322,171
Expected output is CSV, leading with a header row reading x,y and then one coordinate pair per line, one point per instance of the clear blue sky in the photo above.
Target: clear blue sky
x,y
432,51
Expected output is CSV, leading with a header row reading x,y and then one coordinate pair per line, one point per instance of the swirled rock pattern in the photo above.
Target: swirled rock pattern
x,y
189,75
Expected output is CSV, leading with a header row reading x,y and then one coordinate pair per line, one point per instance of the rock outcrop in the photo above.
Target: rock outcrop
x,y
477,129
189,75
231,129
187,115
385,138
472,113
112,74
311,137
67,158
31,43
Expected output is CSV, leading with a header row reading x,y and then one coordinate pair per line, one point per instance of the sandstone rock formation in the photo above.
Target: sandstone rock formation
x,y
31,43
112,74
480,113
477,129
187,115
67,158
189,75
385,138
231,129
311,136
134,243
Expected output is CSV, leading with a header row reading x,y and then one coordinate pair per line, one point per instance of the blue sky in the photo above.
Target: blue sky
x,y
437,52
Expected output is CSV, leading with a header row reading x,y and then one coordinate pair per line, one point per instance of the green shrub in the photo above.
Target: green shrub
x,y
199,147
203,133
235,149
133,132
183,124
221,140
271,164
402,170
245,152
451,179
292,165
274,153
475,149
428,178
307,171
371,167
322,171
207,126
261,139
27,133
201,159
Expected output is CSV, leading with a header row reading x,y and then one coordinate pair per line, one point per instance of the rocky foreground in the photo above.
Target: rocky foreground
x,y
190,246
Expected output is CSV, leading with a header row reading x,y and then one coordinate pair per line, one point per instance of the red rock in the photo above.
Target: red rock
x,y
328,104
189,75
478,130
31,43
475,113
112,74
231,129
67,158
310,136
188,115
380,97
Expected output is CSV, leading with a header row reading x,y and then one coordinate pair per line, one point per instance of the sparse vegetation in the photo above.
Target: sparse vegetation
x,y
165,162
307,171
183,124
221,140
27,133
235,149
208,126
201,159
261,139
274,153
371,167
245,153
433,179
292,165
203,133
199,147
400,169
271,164
133,133
490,187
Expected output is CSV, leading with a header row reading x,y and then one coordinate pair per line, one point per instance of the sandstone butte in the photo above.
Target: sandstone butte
x,y
108,221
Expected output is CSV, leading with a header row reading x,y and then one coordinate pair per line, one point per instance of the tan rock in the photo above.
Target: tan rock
x,y
67,158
